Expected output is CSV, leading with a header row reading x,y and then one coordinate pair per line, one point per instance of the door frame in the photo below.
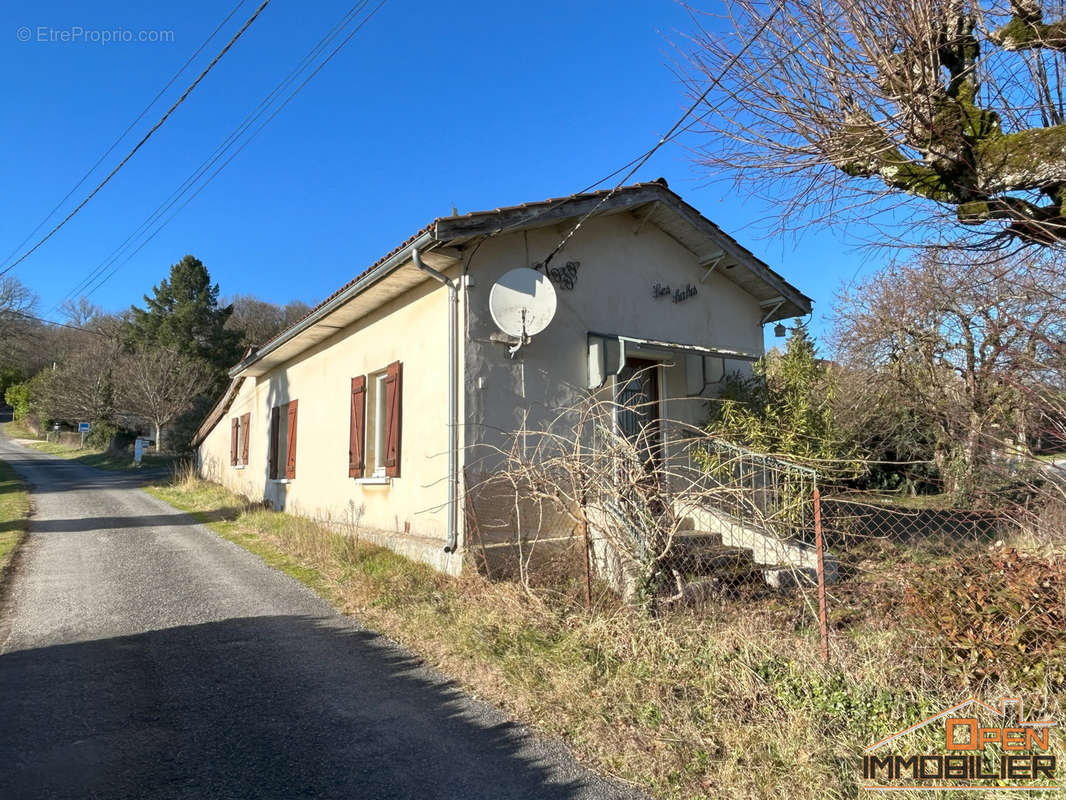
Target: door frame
x,y
659,364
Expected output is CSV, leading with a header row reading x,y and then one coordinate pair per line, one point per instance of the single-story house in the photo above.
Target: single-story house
x,y
370,410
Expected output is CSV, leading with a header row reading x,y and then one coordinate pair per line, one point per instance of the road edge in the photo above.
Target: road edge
x,y
12,560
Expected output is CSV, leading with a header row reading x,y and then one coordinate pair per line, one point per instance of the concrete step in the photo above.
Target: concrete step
x,y
698,539
710,559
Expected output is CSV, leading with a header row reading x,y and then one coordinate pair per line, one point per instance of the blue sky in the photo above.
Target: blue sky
x,y
475,104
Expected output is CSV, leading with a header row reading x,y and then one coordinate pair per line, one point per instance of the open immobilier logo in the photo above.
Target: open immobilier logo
x,y
972,745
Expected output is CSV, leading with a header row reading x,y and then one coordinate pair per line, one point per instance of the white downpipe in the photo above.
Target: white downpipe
x,y
453,392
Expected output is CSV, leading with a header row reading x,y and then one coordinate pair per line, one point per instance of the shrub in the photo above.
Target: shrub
x,y
17,396
101,434
996,616
787,408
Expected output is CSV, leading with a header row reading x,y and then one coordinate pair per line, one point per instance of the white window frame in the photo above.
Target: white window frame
x,y
376,424
242,436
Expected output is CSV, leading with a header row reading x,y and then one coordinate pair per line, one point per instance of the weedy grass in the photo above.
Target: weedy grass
x,y
16,430
730,701
101,459
14,509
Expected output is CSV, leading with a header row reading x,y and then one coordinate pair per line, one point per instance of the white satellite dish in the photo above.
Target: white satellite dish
x,y
522,303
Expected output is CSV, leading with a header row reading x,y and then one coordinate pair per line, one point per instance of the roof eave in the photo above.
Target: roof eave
x,y
459,229
387,267
796,303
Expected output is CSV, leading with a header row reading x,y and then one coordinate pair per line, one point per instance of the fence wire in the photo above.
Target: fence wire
x,y
705,522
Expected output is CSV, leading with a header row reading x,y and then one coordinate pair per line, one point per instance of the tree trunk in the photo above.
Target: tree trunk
x,y
158,435
970,456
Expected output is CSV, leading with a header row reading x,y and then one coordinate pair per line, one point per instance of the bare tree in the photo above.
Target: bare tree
x,y
835,109
160,384
16,300
81,387
260,320
959,343
81,312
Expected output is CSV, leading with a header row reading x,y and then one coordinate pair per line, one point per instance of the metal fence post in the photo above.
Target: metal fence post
x,y
820,546
588,566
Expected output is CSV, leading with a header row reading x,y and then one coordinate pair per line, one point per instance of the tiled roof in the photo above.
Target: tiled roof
x,y
432,225
620,193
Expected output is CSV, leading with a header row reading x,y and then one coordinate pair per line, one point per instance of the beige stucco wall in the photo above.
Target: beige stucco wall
x,y
411,329
620,260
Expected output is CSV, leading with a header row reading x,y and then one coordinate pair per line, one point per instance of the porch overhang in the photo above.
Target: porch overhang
x,y
704,366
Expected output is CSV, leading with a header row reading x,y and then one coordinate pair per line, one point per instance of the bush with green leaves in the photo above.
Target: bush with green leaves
x,y
101,434
17,396
786,409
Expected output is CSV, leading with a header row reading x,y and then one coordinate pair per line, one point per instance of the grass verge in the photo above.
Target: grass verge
x,y
101,459
727,702
16,430
14,509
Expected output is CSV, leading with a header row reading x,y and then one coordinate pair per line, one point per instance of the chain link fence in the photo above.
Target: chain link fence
x,y
695,521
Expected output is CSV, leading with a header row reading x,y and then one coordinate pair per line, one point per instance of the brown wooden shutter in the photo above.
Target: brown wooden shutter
x,y
246,429
275,432
357,429
393,417
234,430
290,467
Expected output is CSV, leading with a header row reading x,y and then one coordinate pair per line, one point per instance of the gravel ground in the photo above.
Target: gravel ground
x,y
142,656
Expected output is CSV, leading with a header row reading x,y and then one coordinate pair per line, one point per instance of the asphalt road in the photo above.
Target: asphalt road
x,y
142,656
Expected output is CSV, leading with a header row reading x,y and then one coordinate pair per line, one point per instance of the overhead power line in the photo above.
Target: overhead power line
x,y
205,165
53,322
642,160
232,140
144,139
124,133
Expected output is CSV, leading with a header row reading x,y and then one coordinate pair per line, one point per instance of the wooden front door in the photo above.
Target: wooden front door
x,y
639,408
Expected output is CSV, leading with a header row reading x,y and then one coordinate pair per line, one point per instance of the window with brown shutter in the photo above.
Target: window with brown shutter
x,y
376,424
393,417
357,428
246,435
234,434
275,431
290,449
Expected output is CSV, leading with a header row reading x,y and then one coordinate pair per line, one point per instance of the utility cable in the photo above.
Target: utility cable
x,y
219,151
244,144
124,133
663,140
144,139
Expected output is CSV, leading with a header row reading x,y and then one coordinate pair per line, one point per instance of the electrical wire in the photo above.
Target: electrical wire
x,y
640,162
144,139
212,159
124,133
52,322
100,282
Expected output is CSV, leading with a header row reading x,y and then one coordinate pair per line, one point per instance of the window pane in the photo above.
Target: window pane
x,y
283,440
379,423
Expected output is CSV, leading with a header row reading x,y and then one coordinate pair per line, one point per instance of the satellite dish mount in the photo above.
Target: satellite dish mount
x,y
522,304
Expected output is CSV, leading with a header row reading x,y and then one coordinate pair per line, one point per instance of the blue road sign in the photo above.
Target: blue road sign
x,y
83,427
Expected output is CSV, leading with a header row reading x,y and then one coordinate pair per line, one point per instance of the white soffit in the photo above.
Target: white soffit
x,y
370,299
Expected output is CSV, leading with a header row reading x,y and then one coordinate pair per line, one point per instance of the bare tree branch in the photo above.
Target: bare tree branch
x,y
840,110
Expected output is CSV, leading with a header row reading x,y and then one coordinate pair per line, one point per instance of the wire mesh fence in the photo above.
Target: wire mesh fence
x,y
691,522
